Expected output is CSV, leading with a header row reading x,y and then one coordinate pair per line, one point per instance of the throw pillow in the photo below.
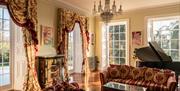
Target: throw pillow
x,y
123,71
161,78
135,73
149,75
113,72
142,73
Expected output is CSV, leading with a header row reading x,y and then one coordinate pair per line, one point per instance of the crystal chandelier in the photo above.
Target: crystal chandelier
x,y
107,13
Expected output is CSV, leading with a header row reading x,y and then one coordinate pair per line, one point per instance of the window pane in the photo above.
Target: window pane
x,y
122,45
116,53
6,14
122,53
6,36
176,27
111,29
116,44
175,55
116,29
116,61
165,44
0,24
0,12
175,34
122,60
174,44
122,36
6,25
122,28
116,36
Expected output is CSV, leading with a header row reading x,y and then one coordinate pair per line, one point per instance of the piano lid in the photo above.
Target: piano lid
x,y
159,52
146,54
152,53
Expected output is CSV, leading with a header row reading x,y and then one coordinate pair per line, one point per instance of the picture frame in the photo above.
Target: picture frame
x,y
46,35
92,38
137,38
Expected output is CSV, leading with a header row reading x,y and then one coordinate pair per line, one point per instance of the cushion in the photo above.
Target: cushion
x,y
123,71
149,75
129,76
161,78
142,73
113,72
135,72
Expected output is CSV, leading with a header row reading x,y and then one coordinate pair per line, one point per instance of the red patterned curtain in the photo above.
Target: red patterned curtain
x,y
24,14
66,23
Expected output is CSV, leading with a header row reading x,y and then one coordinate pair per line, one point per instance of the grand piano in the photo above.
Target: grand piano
x,y
153,56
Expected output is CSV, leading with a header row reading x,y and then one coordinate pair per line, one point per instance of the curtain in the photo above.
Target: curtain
x,y
24,14
66,23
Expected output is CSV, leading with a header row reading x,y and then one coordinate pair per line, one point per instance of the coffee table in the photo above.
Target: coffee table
x,y
114,86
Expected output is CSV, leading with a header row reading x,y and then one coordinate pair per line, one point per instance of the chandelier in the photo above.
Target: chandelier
x,y
107,14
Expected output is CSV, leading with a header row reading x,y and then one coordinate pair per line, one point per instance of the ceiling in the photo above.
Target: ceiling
x,y
87,5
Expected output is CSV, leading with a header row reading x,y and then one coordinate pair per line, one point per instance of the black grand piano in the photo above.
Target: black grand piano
x,y
153,56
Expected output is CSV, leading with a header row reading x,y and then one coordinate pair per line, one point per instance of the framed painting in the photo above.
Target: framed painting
x,y
137,38
46,35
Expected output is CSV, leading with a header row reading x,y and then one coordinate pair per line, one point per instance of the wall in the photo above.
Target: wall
x,y
136,23
47,16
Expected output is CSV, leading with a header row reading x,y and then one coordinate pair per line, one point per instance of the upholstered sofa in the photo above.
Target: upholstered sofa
x,y
63,86
152,78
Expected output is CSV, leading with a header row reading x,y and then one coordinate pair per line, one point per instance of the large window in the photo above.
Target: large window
x,y
114,43
70,51
166,32
4,47
75,57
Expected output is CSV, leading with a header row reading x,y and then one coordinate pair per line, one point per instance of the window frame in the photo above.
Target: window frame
x,y
11,39
72,50
103,28
159,18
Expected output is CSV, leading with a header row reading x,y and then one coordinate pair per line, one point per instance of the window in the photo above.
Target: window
x,y
75,57
4,47
70,51
166,31
114,43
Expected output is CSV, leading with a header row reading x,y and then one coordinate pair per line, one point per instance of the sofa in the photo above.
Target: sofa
x,y
63,86
152,78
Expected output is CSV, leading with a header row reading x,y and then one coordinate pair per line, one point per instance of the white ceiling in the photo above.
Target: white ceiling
x,y
87,5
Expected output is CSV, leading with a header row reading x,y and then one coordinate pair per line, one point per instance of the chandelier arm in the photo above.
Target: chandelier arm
x,y
107,13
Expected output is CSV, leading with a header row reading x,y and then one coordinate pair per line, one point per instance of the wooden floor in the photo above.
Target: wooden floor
x,y
92,85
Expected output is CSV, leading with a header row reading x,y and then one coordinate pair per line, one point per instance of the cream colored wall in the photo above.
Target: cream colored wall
x,y
136,23
47,16
91,30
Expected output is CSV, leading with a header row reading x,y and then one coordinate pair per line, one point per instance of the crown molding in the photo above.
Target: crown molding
x,y
152,7
75,7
